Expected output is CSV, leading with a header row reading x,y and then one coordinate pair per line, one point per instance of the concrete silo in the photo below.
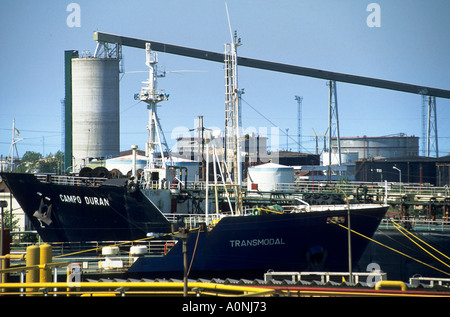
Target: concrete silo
x,y
95,109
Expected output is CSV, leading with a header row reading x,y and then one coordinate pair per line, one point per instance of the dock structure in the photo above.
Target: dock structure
x,y
223,288
274,284
40,270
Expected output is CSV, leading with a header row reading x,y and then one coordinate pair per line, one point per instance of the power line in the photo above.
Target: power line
x,y
272,123
33,131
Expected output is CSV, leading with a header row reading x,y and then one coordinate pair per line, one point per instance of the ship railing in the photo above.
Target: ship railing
x,y
394,189
70,180
373,188
150,185
195,185
429,281
194,221
325,277
124,259
415,224
155,185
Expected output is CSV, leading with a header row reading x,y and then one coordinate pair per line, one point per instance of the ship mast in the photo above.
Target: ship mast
x,y
152,96
13,147
232,112
233,124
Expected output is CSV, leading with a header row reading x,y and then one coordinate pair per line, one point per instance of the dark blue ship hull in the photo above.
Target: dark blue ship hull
x,y
249,246
237,246
78,211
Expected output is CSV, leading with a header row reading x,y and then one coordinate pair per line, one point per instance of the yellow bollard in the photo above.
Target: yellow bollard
x,y
32,258
45,258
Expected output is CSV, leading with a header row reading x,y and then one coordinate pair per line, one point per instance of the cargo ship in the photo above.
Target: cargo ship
x,y
294,237
234,233
247,246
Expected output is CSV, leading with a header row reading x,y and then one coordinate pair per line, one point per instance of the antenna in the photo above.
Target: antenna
x,y
229,23
299,122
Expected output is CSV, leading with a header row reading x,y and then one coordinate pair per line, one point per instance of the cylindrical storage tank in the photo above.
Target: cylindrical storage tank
x,y
125,163
383,146
95,109
346,158
269,177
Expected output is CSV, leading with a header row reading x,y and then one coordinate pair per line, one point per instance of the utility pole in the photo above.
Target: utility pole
x,y
299,122
287,139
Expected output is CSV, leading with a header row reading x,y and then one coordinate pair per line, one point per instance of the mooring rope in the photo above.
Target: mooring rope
x,y
407,234
392,249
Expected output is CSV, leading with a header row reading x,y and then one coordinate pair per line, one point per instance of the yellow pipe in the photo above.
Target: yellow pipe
x,y
37,266
137,285
4,264
20,257
98,295
381,284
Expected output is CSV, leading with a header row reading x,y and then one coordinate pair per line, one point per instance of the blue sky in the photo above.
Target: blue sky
x,y
412,45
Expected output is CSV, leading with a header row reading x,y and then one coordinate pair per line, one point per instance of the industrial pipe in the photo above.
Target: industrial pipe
x,y
155,285
381,284
4,264
20,257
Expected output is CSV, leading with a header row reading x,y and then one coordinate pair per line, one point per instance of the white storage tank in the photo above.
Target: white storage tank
x,y
266,177
381,146
125,163
95,109
346,158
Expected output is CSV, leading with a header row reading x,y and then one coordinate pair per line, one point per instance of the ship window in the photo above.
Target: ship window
x,y
155,176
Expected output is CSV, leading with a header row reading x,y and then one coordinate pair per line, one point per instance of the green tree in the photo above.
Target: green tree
x,y
29,162
33,162
10,222
51,164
